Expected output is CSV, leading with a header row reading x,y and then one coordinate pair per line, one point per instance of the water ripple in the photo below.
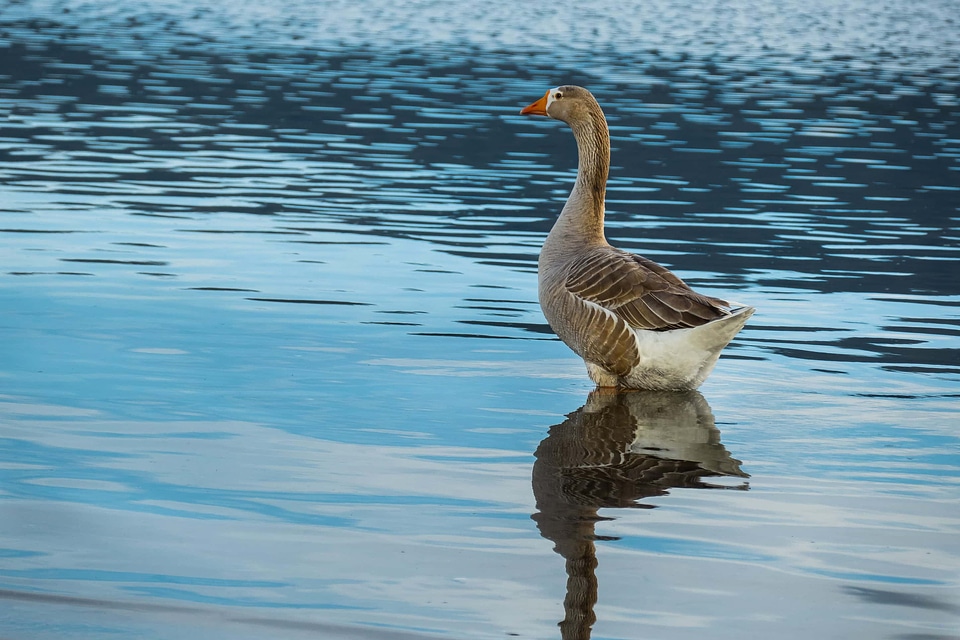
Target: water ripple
x,y
270,293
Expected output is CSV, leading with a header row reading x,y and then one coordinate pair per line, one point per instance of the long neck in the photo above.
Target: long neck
x,y
582,217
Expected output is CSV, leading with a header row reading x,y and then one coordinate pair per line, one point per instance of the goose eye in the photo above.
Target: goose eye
x,y
557,95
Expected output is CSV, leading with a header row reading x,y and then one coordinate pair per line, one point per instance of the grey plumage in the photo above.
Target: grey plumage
x,y
635,324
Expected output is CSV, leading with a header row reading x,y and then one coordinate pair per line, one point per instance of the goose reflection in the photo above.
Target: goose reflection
x,y
616,449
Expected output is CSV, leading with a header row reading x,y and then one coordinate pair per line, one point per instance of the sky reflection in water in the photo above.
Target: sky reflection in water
x,y
273,362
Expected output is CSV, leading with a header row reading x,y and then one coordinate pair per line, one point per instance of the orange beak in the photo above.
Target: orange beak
x,y
538,108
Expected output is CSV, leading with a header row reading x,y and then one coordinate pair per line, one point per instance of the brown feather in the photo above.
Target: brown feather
x,y
643,293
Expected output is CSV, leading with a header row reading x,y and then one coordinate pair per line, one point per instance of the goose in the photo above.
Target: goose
x,y
635,324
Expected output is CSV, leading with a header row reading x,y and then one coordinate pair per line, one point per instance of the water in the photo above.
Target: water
x,y
272,362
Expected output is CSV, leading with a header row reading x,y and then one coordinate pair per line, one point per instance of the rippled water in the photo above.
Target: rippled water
x,y
272,362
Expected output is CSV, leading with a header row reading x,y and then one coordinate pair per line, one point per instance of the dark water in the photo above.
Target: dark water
x,y
272,362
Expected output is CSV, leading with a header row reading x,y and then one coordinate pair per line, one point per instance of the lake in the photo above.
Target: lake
x,y
272,362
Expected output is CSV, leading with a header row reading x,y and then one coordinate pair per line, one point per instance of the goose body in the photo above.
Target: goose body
x,y
635,324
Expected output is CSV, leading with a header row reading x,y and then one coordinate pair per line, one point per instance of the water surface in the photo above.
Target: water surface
x,y
272,361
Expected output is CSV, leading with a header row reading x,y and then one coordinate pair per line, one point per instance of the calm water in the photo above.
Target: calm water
x,y
272,363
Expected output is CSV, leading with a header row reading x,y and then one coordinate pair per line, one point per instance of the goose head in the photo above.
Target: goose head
x,y
568,103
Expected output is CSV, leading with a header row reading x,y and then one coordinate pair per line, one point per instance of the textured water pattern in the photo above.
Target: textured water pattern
x,y
272,364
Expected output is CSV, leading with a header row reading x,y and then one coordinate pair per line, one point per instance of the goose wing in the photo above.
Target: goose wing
x,y
643,293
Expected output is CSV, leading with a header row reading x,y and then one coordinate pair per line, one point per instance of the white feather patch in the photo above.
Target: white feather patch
x,y
550,98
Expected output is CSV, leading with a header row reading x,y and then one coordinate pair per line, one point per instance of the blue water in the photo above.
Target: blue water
x,y
272,363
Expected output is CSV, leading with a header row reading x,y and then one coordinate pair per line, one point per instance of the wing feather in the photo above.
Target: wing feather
x,y
643,293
